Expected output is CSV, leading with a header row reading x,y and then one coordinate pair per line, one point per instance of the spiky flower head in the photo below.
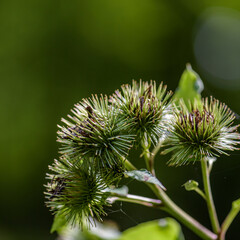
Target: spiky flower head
x,y
144,106
205,131
95,134
76,193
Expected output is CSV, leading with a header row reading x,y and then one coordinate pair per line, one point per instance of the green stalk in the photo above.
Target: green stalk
x,y
200,192
209,198
149,161
151,158
230,217
169,206
148,202
129,166
155,151
183,217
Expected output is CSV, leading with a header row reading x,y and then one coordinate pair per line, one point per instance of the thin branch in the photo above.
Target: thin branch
x,y
209,198
152,157
129,166
201,193
230,217
148,202
156,150
170,207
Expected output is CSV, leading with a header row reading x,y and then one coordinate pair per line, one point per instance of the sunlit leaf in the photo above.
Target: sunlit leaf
x,y
59,223
190,86
164,229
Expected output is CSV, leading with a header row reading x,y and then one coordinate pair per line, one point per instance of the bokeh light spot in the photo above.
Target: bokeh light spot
x,y
217,46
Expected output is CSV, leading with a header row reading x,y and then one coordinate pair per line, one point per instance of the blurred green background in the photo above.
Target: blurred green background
x,y
54,53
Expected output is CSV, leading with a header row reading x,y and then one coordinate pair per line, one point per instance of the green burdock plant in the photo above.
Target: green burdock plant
x,y
94,153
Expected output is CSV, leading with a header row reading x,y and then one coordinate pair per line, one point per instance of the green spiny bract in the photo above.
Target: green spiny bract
x,y
95,134
144,107
205,131
76,193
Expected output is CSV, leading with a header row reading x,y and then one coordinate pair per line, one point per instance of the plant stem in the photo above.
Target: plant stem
x,y
230,217
209,198
170,207
152,157
129,166
149,161
156,149
148,202
201,193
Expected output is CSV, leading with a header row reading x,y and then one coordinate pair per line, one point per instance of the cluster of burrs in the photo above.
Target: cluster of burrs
x,y
98,135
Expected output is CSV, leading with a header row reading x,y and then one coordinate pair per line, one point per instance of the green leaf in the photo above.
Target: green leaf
x,y
236,204
191,185
144,176
59,223
190,86
163,229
